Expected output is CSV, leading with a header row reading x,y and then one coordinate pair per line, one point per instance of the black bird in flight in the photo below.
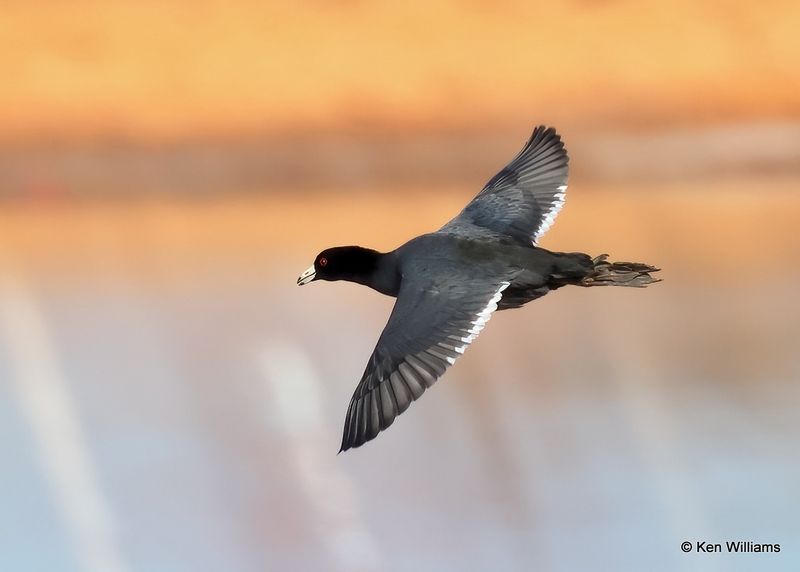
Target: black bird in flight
x,y
449,282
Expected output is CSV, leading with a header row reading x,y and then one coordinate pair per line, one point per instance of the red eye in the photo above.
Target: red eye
x,y
323,261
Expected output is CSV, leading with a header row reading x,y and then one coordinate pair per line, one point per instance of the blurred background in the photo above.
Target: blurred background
x,y
172,401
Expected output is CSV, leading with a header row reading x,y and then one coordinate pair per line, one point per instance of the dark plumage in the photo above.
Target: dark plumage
x,y
449,282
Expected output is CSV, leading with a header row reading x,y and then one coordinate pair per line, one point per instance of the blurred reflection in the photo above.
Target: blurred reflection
x,y
210,390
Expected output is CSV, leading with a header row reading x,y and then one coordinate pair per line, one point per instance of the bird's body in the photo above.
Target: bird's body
x,y
526,269
449,282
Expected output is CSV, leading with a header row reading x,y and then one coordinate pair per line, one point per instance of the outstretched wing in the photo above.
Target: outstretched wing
x,y
430,326
521,201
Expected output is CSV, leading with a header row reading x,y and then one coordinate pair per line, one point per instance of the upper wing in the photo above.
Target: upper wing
x,y
430,326
522,200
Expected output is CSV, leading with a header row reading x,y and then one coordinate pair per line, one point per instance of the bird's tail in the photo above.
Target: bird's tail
x,y
633,274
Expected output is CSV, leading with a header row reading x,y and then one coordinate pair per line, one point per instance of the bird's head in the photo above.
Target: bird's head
x,y
351,263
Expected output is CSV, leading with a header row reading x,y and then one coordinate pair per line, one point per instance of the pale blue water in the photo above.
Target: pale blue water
x,y
592,430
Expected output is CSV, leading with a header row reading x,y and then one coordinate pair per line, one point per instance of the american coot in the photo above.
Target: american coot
x,y
449,282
